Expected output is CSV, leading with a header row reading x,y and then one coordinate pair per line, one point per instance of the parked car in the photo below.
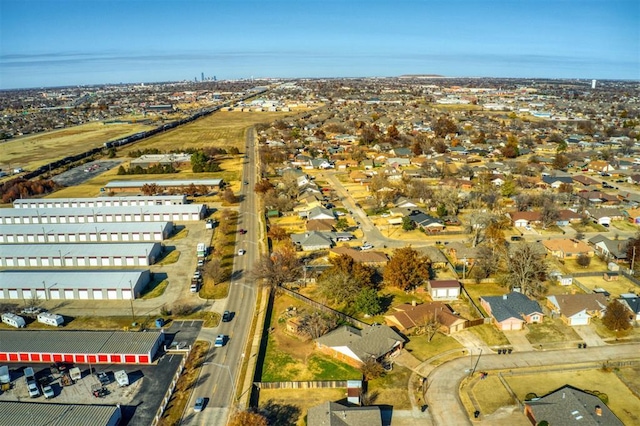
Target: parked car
x,y
33,389
199,405
366,246
220,341
48,392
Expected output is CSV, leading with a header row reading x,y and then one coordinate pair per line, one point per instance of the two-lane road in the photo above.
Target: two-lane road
x,y
219,374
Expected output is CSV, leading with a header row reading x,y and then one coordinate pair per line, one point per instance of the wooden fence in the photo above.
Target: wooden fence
x,y
320,384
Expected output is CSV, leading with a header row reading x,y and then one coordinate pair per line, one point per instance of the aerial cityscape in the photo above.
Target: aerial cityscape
x,y
319,213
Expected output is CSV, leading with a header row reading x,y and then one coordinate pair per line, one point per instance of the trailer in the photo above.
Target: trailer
x,y
122,378
5,375
75,373
13,320
201,248
50,319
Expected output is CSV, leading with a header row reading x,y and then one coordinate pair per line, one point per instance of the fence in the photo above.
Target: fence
x,y
324,384
324,308
172,386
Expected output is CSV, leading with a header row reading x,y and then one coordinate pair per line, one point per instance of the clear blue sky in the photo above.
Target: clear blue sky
x,y
64,42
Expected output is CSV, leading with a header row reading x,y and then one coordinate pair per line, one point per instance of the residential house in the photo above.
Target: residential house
x,y
407,316
565,248
524,219
632,302
317,213
426,222
556,181
397,162
600,166
367,257
403,202
346,164
443,289
322,225
402,152
577,309
585,180
598,198
320,163
313,240
633,216
458,252
437,258
612,250
567,216
570,406
333,413
353,346
604,216
358,176
511,311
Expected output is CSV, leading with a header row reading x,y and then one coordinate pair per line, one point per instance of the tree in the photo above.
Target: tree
x,y
150,189
245,418
444,126
317,324
407,269
429,327
371,369
583,260
215,271
633,251
560,161
526,270
549,214
616,317
229,197
408,224
338,287
263,186
368,302
279,267
277,233
487,261
341,224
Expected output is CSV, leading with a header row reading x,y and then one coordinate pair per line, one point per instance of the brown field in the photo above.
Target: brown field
x,y
31,152
299,401
616,288
222,129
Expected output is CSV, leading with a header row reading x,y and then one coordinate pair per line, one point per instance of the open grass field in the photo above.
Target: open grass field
x,y
490,335
296,402
31,152
616,288
491,394
422,349
223,129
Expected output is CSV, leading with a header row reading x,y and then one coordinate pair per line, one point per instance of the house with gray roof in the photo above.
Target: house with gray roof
x,y
353,346
511,311
312,240
569,406
615,250
426,222
320,213
335,414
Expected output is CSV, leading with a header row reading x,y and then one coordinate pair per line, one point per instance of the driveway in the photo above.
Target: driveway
x,y
518,340
588,334
470,341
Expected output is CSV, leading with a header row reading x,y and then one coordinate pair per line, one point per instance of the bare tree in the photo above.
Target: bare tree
x,y
549,214
317,324
526,270
371,369
279,267
429,326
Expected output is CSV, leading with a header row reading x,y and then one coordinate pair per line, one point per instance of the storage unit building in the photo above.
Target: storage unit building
x,y
164,184
80,347
181,212
78,255
25,414
157,200
85,232
73,285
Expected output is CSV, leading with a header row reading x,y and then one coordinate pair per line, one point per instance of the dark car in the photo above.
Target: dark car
x,y
226,316
242,231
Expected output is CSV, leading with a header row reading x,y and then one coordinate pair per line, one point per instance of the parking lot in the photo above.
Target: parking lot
x,y
139,400
82,173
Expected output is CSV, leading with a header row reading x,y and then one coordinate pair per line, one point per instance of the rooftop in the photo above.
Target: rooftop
x,y
24,414
65,279
77,250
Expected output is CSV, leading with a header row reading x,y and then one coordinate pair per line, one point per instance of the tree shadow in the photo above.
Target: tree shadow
x,y
386,301
280,414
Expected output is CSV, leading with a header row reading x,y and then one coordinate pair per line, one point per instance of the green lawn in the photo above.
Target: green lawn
x,y
423,350
155,289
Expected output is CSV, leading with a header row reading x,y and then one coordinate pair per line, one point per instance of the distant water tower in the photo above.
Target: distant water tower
x,y
593,84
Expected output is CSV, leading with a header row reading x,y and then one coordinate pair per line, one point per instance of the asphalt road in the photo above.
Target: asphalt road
x,y
219,374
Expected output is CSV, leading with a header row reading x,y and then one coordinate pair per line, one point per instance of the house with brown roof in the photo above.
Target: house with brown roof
x,y
367,257
585,180
566,248
599,197
346,164
600,166
407,316
523,219
633,216
322,225
577,309
358,176
443,289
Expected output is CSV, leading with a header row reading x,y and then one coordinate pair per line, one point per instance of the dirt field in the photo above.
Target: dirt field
x,y
297,402
30,152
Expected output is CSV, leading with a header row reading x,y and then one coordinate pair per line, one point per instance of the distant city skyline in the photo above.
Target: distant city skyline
x,y
71,42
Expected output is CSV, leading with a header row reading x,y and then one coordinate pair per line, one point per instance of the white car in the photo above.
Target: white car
x,y
241,252
48,392
366,246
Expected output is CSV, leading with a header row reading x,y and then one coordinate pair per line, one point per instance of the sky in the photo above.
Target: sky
x,y
49,43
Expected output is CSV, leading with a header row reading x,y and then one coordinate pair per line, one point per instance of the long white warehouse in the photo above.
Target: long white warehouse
x,y
73,285
156,200
181,212
85,232
79,255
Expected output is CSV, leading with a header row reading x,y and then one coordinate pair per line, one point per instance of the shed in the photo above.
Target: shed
x,y
611,276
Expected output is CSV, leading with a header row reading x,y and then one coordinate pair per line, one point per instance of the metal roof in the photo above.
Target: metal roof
x,y
83,228
98,211
77,250
78,342
165,182
139,199
39,414
74,279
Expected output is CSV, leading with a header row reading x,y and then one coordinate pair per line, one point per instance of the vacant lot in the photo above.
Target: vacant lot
x,y
31,152
421,348
616,288
550,331
292,404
